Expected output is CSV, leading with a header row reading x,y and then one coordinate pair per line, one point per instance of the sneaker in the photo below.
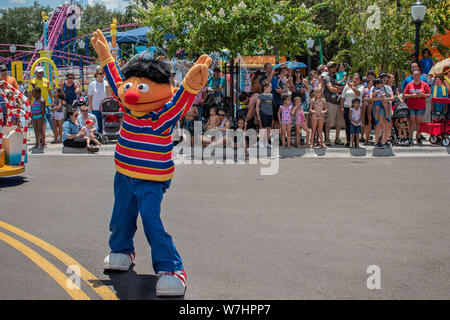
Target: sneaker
x,y
118,261
338,142
171,283
347,145
328,142
419,141
362,140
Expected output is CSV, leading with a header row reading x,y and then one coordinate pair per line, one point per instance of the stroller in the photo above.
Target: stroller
x,y
400,111
112,118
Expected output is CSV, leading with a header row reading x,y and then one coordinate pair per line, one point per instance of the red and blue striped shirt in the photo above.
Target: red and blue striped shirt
x,y
144,149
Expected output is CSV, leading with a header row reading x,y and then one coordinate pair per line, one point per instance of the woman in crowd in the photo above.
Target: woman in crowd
x,y
352,90
72,137
70,88
299,86
426,63
416,93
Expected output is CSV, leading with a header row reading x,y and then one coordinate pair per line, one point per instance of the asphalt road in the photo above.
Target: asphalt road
x,y
308,232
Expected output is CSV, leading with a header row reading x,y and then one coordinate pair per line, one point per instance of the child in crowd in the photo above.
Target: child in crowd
x,y
285,116
89,130
264,112
300,121
37,115
341,75
355,122
58,113
239,137
378,95
318,109
213,120
438,109
402,128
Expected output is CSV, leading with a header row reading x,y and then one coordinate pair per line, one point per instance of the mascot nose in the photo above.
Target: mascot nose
x,y
131,97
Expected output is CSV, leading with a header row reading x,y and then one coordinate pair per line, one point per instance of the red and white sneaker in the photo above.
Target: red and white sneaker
x,y
118,261
171,283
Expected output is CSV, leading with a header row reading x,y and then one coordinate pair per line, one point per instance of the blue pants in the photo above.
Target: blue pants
x,y
98,115
131,197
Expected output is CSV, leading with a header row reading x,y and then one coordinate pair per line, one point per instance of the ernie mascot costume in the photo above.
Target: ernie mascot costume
x,y
144,157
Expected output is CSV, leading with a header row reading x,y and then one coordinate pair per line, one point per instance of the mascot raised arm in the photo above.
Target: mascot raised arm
x,y
144,157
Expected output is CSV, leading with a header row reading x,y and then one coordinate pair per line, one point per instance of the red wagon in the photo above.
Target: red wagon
x,y
438,130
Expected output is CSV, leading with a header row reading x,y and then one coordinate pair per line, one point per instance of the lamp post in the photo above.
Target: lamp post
x,y
418,11
309,45
82,45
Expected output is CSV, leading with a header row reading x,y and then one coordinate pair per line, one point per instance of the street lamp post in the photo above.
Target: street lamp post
x,y
82,44
309,45
418,11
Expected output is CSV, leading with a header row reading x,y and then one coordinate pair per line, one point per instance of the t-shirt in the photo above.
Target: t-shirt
x,y
44,84
426,64
266,104
420,102
340,75
410,79
98,92
215,83
439,92
348,94
330,97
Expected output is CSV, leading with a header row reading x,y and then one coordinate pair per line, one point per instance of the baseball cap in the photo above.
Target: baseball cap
x,y
39,69
331,64
89,121
3,68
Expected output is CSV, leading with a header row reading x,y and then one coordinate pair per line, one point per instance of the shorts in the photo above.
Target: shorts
x,y
381,111
189,126
334,117
37,116
58,115
355,129
266,120
416,112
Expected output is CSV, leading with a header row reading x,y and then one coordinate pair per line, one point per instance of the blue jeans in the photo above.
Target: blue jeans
x,y
98,115
49,117
131,197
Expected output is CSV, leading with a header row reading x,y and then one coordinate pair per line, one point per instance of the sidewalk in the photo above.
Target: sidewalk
x,y
333,151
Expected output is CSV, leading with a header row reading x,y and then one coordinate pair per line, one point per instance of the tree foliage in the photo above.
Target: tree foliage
x,y
241,27
358,39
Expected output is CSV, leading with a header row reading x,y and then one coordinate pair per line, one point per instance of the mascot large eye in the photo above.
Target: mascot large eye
x,y
127,86
143,87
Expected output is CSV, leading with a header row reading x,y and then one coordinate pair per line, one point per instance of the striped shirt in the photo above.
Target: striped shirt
x,y
144,149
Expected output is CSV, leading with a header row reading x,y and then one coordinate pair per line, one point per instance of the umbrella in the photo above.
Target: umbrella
x,y
439,67
292,65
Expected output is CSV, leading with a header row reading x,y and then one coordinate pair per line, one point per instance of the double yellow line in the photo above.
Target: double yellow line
x,y
76,293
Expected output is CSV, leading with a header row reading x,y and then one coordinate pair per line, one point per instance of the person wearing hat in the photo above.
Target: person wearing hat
x,y
88,132
46,92
216,83
331,91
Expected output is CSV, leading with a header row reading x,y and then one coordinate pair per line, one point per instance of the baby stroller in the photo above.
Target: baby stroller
x,y
400,111
112,118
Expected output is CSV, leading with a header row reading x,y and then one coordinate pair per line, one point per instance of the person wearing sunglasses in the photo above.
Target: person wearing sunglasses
x,y
70,88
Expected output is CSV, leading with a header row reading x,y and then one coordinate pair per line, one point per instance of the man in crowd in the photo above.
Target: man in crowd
x,y
268,73
216,84
85,115
334,117
249,99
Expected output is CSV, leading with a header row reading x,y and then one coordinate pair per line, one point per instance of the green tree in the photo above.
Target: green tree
x,y
22,25
237,26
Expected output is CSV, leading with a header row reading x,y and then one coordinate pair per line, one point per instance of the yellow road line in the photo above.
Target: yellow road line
x,y
103,291
44,264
